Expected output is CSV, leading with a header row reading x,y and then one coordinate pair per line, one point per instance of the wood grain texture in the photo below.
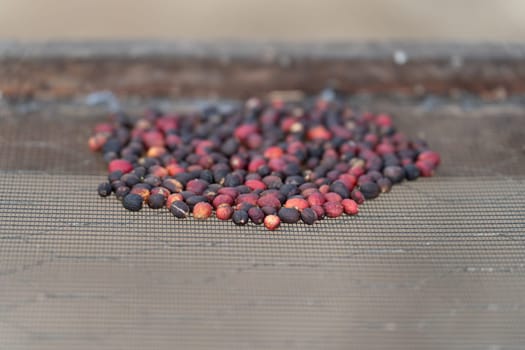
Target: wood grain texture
x,y
62,70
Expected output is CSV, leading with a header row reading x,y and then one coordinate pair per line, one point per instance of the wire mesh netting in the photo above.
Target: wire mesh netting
x,y
484,141
436,264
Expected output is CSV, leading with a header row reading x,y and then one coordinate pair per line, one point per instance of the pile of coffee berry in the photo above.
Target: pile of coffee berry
x,y
264,163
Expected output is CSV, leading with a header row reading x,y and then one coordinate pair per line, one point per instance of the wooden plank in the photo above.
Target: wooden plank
x,y
66,70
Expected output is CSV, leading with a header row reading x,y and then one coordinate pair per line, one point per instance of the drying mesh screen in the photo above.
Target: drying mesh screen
x,y
473,142
436,264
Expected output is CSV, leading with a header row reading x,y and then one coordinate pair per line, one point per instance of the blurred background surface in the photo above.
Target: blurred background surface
x,y
470,20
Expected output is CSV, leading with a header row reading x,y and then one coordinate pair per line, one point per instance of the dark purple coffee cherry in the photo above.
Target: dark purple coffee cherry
x,y
240,217
289,215
411,172
179,209
370,190
308,216
132,202
104,189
